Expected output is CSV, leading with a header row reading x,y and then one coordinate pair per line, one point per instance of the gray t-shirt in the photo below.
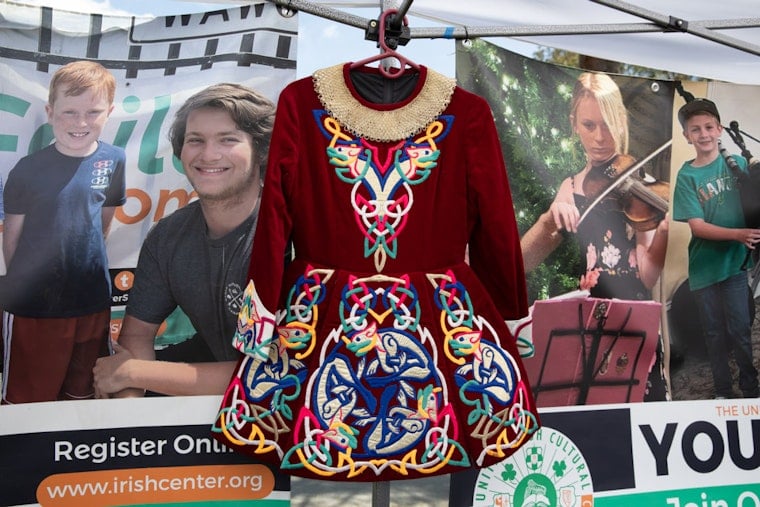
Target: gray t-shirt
x,y
180,266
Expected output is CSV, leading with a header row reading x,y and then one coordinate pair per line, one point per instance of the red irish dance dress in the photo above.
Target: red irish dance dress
x,y
381,351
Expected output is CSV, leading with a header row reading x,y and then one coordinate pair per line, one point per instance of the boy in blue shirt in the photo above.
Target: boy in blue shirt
x,y
59,204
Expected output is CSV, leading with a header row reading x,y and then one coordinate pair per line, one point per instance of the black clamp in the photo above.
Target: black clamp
x,y
396,34
677,24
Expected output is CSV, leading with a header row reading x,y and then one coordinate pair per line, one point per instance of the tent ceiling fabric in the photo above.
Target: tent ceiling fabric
x,y
711,46
682,52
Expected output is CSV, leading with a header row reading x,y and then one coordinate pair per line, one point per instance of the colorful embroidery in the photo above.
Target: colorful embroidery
x,y
255,326
488,376
382,195
378,399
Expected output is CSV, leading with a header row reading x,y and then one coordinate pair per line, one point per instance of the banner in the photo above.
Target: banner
x,y
126,452
132,451
679,453
158,63
669,454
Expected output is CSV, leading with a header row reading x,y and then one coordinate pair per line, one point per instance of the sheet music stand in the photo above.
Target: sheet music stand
x,y
591,351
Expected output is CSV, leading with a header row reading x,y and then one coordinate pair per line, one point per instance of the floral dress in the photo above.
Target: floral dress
x,y
609,245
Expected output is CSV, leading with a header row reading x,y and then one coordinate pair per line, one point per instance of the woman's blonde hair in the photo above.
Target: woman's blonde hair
x,y
607,94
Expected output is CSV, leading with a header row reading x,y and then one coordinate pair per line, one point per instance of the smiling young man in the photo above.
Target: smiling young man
x,y
197,258
59,203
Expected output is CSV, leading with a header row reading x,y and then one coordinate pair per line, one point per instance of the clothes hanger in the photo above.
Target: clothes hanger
x,y
387,52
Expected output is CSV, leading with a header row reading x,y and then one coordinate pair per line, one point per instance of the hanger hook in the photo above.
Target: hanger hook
x,y
387,46
390,42
466,42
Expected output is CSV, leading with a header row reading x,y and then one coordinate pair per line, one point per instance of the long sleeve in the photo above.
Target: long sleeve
x,y
495,253
275,220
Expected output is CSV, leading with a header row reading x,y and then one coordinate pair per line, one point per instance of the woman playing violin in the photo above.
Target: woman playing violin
x,y
620,261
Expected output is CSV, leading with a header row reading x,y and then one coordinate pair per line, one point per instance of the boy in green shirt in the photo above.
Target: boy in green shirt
x,y
706,196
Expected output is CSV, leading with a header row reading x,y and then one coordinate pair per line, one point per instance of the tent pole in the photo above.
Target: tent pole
x,y
705,29
323,12
381,490
398,19
670,23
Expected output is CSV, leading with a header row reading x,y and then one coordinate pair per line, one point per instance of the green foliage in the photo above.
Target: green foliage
x,y
558,56
530,102
570,59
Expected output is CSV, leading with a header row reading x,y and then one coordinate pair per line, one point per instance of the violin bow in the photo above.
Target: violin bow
x,y
635,167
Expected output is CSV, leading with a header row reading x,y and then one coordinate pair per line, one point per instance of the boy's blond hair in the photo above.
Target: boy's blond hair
x,y
80,76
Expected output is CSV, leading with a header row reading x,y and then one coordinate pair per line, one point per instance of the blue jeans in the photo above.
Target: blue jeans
x,y
725,317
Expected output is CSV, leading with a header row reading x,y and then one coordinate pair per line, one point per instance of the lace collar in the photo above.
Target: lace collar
x,y
382,122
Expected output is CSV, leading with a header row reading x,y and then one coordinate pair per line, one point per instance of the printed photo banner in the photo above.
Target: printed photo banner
x,y
531,103
674,454
151,450
681,453
137,451
68,454
158,63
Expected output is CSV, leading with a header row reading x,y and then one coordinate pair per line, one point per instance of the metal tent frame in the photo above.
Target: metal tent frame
x,y
717,42
653,22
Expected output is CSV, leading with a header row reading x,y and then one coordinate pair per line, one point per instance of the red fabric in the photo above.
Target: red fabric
x,y
382,370
465,200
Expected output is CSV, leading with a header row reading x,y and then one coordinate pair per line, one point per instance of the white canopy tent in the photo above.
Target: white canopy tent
x,y
718,41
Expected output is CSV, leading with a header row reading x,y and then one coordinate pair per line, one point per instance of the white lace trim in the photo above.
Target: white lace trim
x,y
375,125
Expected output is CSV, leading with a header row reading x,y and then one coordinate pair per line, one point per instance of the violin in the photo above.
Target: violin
x,y
643,203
